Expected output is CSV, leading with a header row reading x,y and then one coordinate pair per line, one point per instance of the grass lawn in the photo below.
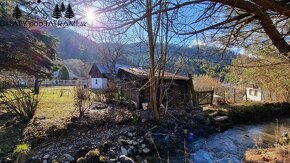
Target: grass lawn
x,y
53,111
53,106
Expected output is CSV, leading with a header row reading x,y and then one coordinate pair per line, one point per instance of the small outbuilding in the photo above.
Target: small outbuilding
x,y
134,86
255,94
98,77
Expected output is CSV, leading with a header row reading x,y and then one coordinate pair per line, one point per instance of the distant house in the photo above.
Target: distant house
x,y
135,86
255,94
98,77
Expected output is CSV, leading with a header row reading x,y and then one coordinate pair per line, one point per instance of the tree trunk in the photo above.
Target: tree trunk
x,y
152,78
36,86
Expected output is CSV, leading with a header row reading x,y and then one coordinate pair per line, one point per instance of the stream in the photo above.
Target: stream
x,y
229,145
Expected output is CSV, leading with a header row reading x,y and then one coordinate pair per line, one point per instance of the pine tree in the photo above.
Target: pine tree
x,y
56,12
17,12
62,7
69,12
63,73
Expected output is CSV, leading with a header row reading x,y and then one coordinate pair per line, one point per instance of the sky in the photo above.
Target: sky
x,y
88,13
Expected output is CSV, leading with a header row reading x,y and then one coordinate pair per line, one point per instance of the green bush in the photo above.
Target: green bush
x,y
134,119
21,153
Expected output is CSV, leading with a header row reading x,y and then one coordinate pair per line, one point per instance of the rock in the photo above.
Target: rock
x,y
130,134
146,150
8,160
124,151
202,156
140,150
44,161
81,160
54,161
125,159
143,145
69,157
45,157
122,142
93,156
36,160
106,146
112,160
132,142
82,152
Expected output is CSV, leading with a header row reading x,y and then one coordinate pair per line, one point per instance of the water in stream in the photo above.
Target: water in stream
x,y
230,145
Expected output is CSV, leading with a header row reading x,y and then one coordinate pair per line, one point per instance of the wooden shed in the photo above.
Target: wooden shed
x,y
134,84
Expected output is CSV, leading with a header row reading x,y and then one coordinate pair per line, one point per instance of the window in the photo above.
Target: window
x,y
250,92
255,93
96,81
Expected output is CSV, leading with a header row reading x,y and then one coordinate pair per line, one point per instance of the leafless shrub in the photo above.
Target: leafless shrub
x,y
21,102
82,99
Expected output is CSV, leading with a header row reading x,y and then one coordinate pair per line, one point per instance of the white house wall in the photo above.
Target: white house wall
x,y
101,84
259,96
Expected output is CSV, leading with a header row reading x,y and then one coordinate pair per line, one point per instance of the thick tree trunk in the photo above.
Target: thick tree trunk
x,y
265,21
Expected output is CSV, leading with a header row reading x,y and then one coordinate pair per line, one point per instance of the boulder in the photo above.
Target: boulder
x,y
146,150
124,151
45,157
125,159
68,157
93,156
81,160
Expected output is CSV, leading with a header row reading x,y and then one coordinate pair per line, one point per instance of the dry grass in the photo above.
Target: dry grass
x,y
275,154
53,106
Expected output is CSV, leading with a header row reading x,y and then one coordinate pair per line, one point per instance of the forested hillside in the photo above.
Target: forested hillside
x,y
196,59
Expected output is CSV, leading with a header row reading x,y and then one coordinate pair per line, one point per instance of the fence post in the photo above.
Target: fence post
x,y
212,96
234,95
193,99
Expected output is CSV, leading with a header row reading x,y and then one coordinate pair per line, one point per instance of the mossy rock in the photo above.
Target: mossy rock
x,y
102,159
93,156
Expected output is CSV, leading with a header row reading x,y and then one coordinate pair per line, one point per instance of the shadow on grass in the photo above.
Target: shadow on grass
x,y
10,132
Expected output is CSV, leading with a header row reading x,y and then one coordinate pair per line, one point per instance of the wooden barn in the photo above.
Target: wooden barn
x,y
135,86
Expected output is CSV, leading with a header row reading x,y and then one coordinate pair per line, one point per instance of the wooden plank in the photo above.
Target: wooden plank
x,y
220,118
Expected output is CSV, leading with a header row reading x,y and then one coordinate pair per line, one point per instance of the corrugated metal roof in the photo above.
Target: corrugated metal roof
x,y
144,73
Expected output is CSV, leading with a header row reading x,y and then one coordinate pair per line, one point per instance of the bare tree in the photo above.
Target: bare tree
x,y
227,23
111,49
